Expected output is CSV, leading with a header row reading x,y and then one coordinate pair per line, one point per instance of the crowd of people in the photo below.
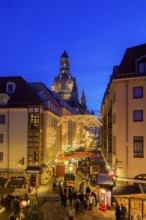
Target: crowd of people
x,y
82,199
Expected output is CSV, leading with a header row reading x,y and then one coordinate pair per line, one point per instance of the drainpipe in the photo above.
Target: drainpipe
x,y
127,128
8,161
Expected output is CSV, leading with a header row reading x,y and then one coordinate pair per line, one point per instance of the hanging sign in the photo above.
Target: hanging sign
x,y
111,174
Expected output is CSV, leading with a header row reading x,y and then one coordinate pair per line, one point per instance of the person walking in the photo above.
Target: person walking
x,y
77,204
123,211
118,212
71,212
70,196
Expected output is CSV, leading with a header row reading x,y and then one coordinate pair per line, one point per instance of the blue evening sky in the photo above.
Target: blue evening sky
x,y
95,34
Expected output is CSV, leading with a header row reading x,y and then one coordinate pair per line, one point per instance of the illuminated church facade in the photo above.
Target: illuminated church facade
x,y
66,87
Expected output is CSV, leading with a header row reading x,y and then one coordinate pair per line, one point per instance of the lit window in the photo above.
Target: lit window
x,y
1,138
3,100
138,146
2,119
1,156
137,115
138,92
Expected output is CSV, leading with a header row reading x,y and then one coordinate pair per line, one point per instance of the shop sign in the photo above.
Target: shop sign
x,y
34,170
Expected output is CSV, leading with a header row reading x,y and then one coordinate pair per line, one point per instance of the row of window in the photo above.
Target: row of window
x,y
138,150
137,116
137,93
32,158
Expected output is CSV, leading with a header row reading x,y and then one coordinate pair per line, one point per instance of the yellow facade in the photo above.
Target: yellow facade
x,y
120,102
14,146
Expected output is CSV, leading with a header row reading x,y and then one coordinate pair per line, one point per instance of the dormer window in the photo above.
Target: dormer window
x,y
10,87
3,99
141,65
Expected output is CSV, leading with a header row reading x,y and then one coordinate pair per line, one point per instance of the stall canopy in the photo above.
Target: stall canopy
x,y
64,157
103,179
128,190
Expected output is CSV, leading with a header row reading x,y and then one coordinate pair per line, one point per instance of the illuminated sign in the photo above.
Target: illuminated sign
x,y
111,173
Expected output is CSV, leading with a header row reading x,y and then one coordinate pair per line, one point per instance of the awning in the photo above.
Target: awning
x,y
3,181
64,157
34,170
20,192
126,190
98,163
6,191
103,179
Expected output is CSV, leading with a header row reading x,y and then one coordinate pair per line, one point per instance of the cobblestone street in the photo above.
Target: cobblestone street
x,y
54,211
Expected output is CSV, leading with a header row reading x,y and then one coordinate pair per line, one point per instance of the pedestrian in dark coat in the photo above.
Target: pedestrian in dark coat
x,y
123,211
70,196
118,212
63,199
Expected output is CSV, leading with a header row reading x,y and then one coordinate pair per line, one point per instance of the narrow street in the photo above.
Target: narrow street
x,y
53,210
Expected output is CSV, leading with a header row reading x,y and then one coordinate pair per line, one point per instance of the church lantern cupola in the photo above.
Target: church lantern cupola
x,y
64,64
64,84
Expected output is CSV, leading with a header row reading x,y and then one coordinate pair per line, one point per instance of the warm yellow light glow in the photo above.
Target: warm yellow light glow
x,y
103,191
2,209
70,168
24,203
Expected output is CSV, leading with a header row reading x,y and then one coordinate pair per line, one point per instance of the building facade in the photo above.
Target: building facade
x,y
30,138
123,114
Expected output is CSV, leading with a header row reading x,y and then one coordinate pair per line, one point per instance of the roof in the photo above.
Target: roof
x,y
103,179
23,95
3,181
16,183
64,157
126,190
127,64
6,191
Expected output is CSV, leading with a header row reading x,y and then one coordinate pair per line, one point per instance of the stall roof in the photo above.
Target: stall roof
x,y
127,190
64,157
6,191
103,179
98,163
